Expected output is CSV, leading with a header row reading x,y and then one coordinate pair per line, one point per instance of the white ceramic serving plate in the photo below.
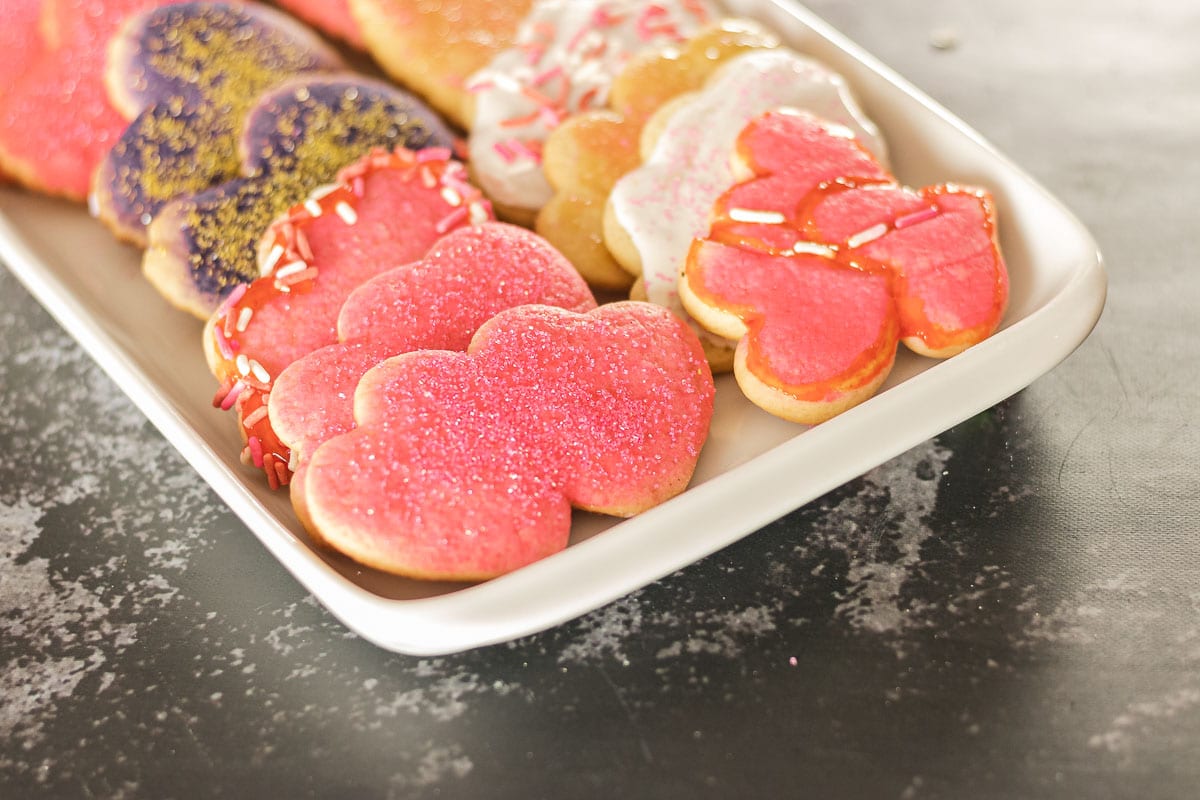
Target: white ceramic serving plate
x,y
754,469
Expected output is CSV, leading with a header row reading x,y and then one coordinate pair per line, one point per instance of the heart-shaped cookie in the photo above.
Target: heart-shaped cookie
x,y
384,210
295,138
437,303
466,465
56,120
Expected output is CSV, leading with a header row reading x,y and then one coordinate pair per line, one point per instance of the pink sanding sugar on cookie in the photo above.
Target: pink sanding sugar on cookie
x,y
385,210
436,303
21,43
821,263
466,465
56,122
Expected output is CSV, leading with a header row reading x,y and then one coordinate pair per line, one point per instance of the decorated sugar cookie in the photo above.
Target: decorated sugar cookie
x,y
331,16
465,466
187,75
438,303
655,211
56,120
384,210
821,263
295,139
433,47
585,156
562,62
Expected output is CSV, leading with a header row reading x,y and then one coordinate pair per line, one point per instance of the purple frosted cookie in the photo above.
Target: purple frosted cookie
x,y
294,140
187,75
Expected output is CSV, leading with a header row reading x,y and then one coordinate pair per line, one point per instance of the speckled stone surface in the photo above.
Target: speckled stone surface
x,y
1009,610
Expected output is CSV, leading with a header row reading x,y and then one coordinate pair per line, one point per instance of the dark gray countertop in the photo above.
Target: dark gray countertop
x,y
1009,610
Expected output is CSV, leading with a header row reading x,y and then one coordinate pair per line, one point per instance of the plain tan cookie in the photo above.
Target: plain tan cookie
x,y
433,47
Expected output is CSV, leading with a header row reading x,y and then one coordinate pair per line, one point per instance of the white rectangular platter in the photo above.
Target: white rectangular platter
x,y
754,468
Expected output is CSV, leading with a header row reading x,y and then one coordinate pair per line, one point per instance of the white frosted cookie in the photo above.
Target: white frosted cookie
x,y
563,61
655,211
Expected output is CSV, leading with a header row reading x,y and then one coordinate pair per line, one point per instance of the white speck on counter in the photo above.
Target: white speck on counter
x,y
1141,719
943,38
874,583
605,631
54,613
434,765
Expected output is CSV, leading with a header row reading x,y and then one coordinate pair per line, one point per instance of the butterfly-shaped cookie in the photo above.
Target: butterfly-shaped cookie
x,y
820,263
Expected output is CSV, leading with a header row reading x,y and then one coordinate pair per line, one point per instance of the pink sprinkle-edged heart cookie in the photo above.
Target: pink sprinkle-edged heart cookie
x,y
821,262
384,210
435,303
466,465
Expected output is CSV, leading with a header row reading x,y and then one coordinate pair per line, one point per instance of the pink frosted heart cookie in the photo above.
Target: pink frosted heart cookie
x,y
466,465
384,210
56,120
821,263
435,303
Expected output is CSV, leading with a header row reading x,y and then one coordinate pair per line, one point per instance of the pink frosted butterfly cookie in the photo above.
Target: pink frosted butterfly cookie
x,y
821,263
467,465
384,210
437,303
